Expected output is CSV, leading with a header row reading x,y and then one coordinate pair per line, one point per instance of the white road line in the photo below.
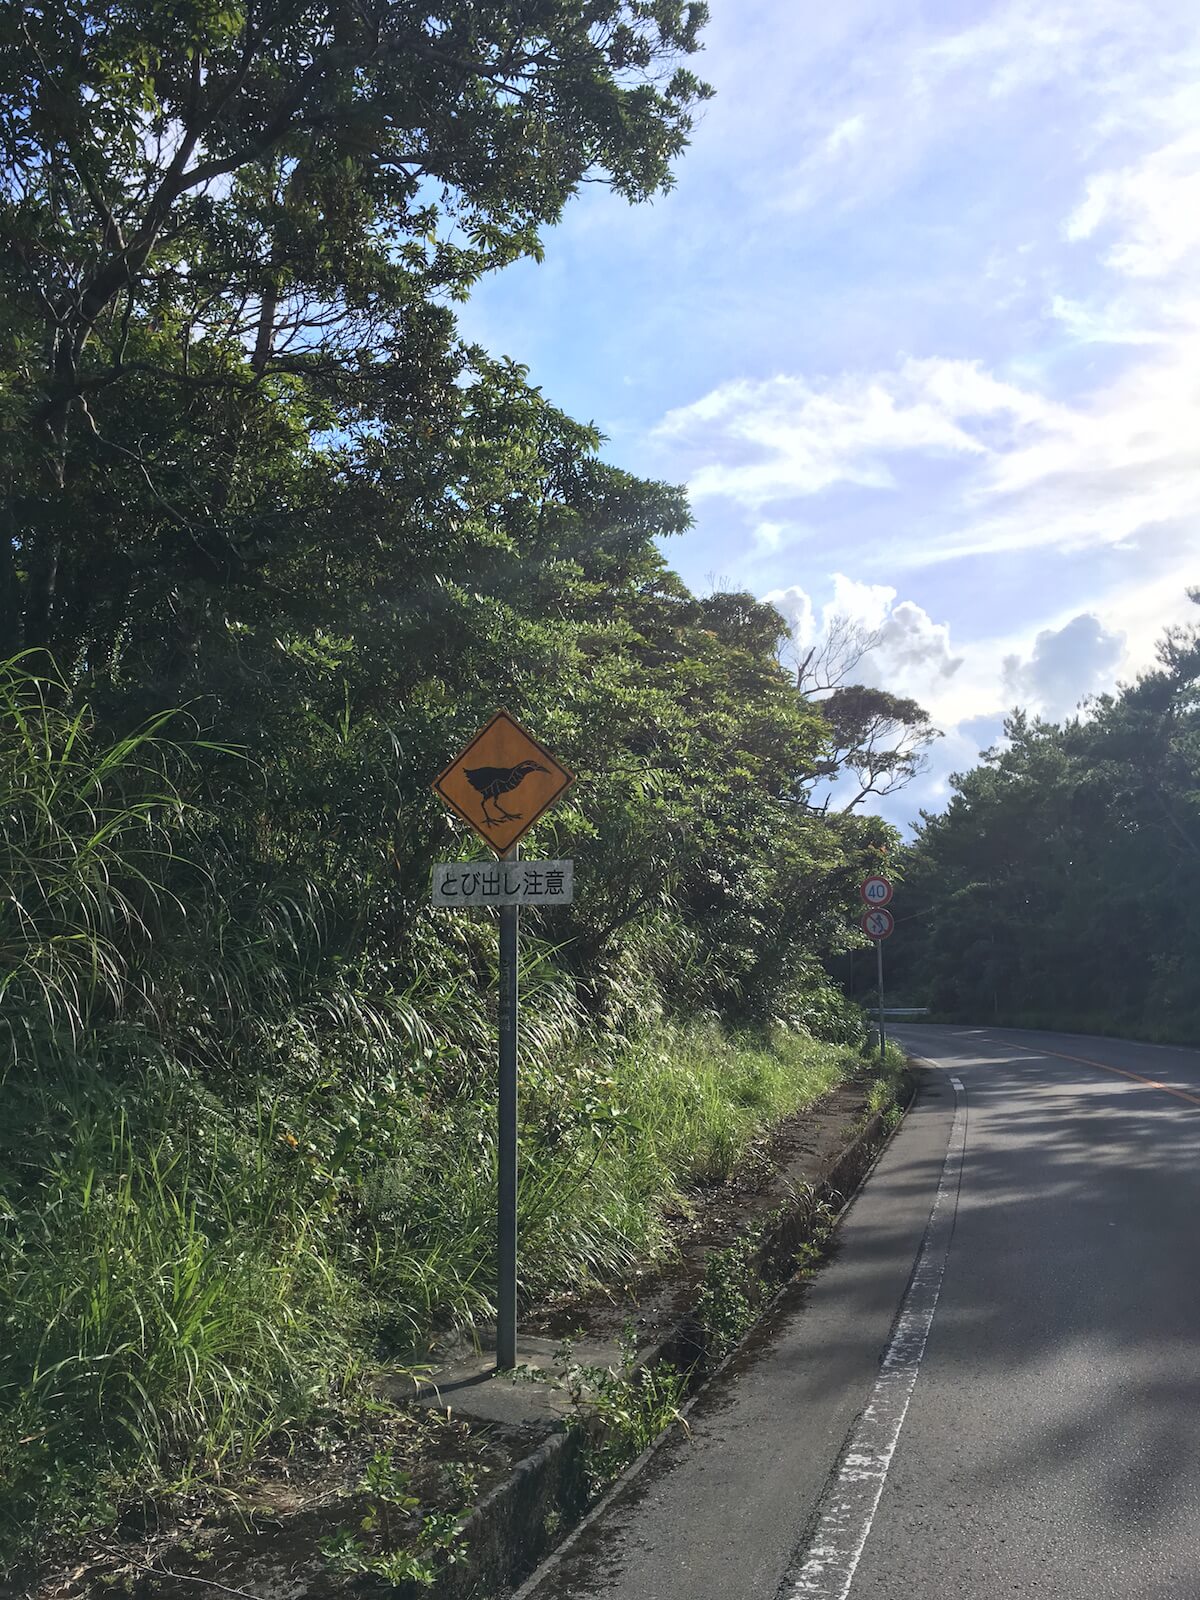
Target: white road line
x,y
848,1506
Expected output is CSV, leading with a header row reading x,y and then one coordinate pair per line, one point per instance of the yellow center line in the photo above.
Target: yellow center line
x,y
1151,1083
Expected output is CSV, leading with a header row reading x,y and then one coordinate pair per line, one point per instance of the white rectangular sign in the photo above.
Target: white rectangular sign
x,y
503,883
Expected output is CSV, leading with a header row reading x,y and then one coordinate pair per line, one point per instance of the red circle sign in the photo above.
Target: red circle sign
x,y
876,890
877,924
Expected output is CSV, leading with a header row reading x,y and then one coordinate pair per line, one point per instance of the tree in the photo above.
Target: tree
x,y
829,661
222,200
878,741
1061,881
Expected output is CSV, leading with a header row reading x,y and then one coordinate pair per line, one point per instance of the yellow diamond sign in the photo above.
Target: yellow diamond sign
x,y
503,782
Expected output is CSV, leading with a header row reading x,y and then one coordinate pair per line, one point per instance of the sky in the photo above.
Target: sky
x,y
919,327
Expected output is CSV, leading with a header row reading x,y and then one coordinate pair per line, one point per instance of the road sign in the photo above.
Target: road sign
x,y
503,782
878,924
504,883
876,890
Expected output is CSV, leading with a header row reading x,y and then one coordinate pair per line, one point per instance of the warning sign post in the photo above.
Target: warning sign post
x,y
500,784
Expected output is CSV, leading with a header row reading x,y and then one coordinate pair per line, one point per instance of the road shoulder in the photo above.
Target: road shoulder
x,y
722,1510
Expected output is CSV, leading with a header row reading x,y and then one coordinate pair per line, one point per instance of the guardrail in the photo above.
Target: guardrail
x,y
906,1011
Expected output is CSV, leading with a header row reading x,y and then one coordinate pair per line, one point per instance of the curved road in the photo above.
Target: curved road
x,y
1034,1428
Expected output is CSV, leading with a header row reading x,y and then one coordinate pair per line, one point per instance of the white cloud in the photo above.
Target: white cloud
x,y
1065,666
1150,208
780,438
1035,473
911,654
879,111
913,643
768,536
795,606
868,604
968,689
845,135
1109,321
1019,46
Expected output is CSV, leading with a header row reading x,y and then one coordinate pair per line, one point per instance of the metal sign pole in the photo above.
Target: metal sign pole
x,y
506,1133
479,786
879,971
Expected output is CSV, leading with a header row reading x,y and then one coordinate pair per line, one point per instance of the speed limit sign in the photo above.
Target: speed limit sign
x,y
876,890
878,924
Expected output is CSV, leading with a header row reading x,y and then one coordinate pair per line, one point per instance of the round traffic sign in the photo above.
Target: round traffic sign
x,y
876,890
878,924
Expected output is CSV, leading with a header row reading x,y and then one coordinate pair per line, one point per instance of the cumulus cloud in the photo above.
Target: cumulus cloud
x,y
906,651
914,643
795,606
1065,666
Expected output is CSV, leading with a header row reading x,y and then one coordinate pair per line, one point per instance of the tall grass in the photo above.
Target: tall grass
x,y
159,1319
177,1289
86,830
240,1159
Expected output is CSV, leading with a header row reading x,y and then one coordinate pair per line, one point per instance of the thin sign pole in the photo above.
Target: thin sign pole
x,y
879,972
506,1133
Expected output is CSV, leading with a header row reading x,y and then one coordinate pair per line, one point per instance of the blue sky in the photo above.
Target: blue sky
x,y
919,326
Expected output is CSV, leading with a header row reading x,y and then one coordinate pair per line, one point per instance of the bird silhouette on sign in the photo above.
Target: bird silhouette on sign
x,y
492,782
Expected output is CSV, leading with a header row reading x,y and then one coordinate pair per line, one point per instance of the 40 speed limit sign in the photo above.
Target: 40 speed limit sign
x,y
878,924
876,890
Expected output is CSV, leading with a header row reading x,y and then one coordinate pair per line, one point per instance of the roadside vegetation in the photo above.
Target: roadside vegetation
x,y
1061,886
233,1174
276,540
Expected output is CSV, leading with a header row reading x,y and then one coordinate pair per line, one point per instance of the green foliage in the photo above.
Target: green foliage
x,y
728,1302
431,1539
884,1089
230,235
275,542
821,1221
232,1167
620,1414
1061,883
87,829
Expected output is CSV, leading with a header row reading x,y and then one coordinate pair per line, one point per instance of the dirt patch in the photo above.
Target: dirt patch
x,y
263,1536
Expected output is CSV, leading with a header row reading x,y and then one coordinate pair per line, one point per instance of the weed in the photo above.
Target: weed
x,y
619,1415
429,1543
822,1219
727,1304
460,1479
884,1089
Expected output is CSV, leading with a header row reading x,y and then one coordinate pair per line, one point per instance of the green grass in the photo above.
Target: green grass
x,y
183,1280
885,1087
160,1320
239,1165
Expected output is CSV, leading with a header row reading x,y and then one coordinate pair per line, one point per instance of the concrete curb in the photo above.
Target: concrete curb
x,y
515,1528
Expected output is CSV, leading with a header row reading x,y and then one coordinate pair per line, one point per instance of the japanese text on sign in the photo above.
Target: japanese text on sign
x,y
503,883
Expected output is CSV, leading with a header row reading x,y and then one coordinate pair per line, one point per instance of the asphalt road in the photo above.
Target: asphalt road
x,y
1051,1444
